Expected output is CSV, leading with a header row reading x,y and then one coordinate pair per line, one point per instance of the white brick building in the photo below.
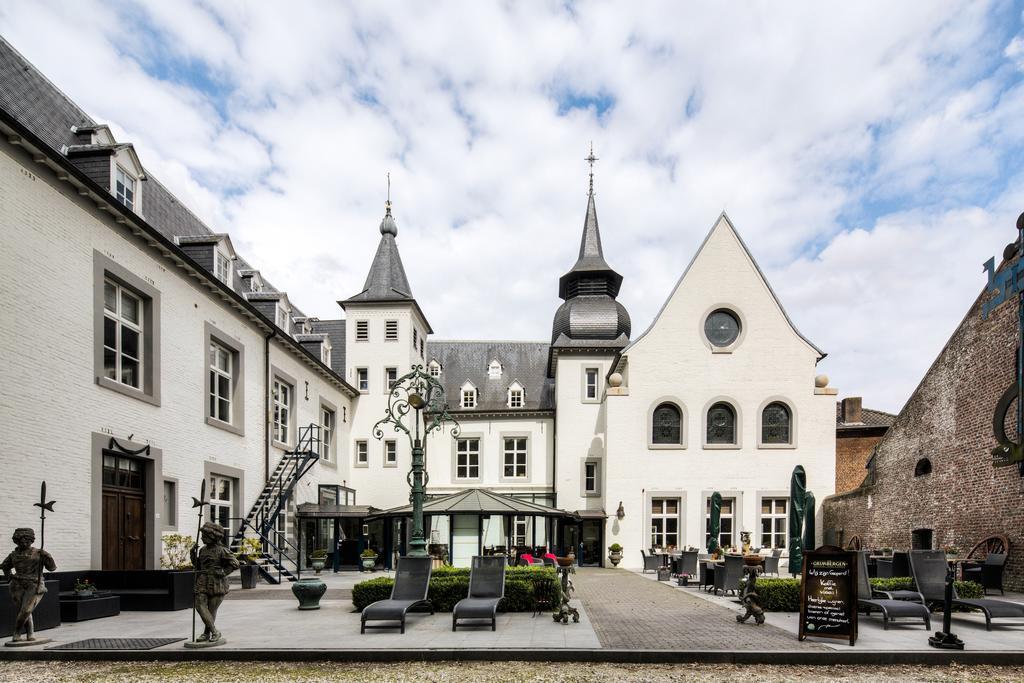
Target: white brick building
x,y
144,356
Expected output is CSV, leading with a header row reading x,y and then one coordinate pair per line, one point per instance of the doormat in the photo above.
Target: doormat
x,y
116,644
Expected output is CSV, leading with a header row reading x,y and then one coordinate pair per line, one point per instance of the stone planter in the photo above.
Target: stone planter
x,y
318,564
308,592
615,558
250,574
369,562
85,594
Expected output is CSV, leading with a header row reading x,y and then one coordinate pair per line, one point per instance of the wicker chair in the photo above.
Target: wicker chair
x,y
727,578
651,562
989,573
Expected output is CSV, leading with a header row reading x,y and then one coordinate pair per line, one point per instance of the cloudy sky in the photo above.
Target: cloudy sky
x,y
871,154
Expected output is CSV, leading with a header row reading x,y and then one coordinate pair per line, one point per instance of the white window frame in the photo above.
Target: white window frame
x,y
731,516
363,378
328,425
325,354
218,352
222,266
390,379
362,330
284,317
660,535
520,529
494,370
467,458
516,396
591,477
468,396
283,393
221,506
591,384
121,322
390,453
391,330
281,529
515,456
773,518
434,369
362,453
125,185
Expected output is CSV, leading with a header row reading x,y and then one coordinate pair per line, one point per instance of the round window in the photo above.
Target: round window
x,y
722,328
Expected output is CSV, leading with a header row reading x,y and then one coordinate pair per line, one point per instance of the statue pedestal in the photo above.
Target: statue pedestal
x,y
27,643
205,643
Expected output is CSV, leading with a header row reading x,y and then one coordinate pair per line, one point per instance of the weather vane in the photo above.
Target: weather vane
x,y
590,160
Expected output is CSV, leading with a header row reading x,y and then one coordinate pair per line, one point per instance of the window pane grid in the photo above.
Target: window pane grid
x,y
467,459
515,457
774,521
664,522
220,383
721,424
122,335
282,410
775,424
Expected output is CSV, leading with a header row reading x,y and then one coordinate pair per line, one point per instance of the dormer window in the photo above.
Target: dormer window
x,y
124,188
494,370
325,354
284,317
222,267
434,368
255,284
516,395
468,395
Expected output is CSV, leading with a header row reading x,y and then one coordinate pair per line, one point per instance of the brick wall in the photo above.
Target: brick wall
x,y
948,419
852,453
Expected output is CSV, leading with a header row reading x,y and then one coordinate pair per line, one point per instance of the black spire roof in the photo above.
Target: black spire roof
x,y
591,264
386,280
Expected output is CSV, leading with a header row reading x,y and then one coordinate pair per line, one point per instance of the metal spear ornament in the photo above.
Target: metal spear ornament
x,y
43,506
200,503
1004,285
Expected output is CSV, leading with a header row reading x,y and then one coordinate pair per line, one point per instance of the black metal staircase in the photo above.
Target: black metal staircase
x,y
279,555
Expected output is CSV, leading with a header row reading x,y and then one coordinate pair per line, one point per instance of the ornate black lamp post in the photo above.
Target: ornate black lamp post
x,y
416,407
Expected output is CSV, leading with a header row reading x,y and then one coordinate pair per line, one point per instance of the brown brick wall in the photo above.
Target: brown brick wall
x,y
852,453
948,420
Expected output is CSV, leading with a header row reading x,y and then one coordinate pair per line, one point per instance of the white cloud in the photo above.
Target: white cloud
x,y
863,150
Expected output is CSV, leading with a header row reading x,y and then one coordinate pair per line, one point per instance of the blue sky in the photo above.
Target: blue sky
x,y
869,153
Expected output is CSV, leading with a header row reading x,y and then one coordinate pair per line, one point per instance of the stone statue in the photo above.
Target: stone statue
x,y
27,586
212,563
751,600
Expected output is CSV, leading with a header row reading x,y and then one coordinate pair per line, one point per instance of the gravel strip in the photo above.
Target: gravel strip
x,y
448,672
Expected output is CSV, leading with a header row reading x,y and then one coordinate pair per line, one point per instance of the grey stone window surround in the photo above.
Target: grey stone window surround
x,y
355,453
367,371
735,310
288,379
792,424
384,453
479,436
335,457
684,432
212,334
583,383
597,478
171,524
386,382
529,457
236,475
649,497
104,267
734,404
153,474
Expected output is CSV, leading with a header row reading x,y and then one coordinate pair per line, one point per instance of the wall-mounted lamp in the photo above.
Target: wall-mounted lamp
x,y
621,512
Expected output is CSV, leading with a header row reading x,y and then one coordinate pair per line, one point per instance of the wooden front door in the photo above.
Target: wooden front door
x,y
124,513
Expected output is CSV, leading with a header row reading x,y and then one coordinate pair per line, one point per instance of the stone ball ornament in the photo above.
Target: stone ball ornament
x,y
821,381
615,379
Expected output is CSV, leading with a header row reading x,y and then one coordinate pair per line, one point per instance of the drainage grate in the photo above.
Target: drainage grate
x,y
116,644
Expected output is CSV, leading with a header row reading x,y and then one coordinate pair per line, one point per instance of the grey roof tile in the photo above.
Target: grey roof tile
x,y
335,331
525,362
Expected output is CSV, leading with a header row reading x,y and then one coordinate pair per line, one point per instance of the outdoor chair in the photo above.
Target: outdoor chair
x,y
913,595
897,566
868,599
412,581
989,573
547,561
526,559
727,578
687,563
706,575
771,564
486,589
929,570
651,562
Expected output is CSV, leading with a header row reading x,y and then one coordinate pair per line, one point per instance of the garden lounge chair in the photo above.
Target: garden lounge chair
x,y
651,562
412,581
989,574
913,595
929,570
727,578
891,609
486,589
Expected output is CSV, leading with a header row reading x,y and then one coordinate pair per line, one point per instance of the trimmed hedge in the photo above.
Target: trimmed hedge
x,y
783,595
448,585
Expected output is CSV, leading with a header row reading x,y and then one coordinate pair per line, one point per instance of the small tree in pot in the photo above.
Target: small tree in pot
x,y
318,558
369,559
249,552
615,554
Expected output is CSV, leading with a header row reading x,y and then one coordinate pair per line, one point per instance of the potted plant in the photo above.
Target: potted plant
x,y
318,558
952,551
369,559
615,554
84,588
249,552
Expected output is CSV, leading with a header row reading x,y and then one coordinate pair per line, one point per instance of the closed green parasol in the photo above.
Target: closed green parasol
x,y
716,521
809,541
797,500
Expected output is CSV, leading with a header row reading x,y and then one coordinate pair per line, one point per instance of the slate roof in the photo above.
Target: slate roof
x,y
40,106
335,331
870,419
525,362
386,280
480,501
591,257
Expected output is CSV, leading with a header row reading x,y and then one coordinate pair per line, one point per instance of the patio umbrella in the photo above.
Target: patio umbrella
x,y
797,500
716,521
809,542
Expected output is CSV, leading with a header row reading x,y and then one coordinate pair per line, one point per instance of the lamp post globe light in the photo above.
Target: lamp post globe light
x,y
416,407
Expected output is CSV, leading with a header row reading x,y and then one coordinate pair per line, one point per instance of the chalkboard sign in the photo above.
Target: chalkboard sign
x,y
828,594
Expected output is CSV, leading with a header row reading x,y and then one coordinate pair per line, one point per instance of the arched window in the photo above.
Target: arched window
x,y
776,423
923,467
721,424
666,425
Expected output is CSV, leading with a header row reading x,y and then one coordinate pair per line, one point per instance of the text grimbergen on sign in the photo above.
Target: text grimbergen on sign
x,y
828,594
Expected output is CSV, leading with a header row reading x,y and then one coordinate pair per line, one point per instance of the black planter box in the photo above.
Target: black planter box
x,y
76,608
141,590
47,614
250,574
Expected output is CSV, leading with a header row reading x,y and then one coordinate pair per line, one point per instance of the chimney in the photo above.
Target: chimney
x,y
851,410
